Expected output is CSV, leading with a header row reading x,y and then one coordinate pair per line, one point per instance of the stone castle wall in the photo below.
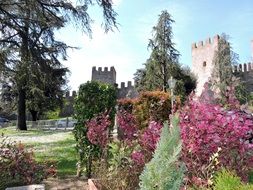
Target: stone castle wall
x,y
202,58
109,76
245,72
202,64
126,91
106,76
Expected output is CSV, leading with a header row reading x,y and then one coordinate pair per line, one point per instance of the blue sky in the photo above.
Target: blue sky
x,y
126,49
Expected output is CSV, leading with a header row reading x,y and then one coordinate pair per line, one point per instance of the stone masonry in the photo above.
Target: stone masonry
x,y
202,64
106,76
202,58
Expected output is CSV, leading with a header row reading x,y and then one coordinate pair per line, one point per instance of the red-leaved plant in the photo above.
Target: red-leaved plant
x,y
126,126
18,165
150,136
98,130
205,128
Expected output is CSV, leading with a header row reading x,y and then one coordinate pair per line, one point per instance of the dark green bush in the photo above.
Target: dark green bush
x,y
93,98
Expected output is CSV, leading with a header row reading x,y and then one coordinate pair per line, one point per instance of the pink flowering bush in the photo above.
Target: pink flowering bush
x,y
98,130
138,158
207,128
151,136
127,125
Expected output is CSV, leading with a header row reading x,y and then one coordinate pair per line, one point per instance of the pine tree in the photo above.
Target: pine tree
x,y
165,171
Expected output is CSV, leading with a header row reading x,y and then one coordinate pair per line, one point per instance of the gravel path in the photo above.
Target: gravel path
x,y
41,139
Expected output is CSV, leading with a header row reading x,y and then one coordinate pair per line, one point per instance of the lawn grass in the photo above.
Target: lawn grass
x,y
55,146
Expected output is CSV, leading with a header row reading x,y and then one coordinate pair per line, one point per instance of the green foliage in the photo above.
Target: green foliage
x,y
165,171
93,98
228,180
29,53
222,75
152,106
243,95
52,114
163,62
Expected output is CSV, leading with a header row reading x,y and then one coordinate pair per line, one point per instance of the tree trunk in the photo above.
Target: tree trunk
x,y
34,115
21,110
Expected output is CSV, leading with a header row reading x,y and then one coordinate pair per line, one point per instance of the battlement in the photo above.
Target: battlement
x,y
104,75
246,67
207,42
100,69
123,85
68,95
127,90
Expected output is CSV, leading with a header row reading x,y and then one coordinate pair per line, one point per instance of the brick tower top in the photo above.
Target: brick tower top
x,y
107,76
202,60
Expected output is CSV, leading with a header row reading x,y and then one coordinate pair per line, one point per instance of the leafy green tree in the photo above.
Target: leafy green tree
x,y
165,171
28,46
93,98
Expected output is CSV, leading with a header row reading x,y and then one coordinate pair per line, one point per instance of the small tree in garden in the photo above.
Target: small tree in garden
x,y
207,128
164,171
93,98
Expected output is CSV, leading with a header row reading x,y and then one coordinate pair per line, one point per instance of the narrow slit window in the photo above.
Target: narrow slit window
x,y
204,64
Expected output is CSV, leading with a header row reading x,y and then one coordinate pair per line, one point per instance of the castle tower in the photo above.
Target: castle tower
x,y
251,51
106,76
202,61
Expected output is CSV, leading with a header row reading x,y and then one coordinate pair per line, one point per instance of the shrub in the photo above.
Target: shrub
x,y
93,98
18,166
227,180
205,128
152,106
118,172
98,128
151,135
165,171
127,128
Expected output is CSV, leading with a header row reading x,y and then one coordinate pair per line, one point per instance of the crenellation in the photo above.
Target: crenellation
x,y
240,68
249,67
194,45
245,67
200,44
216,38
73,93
129,83
208,41
94,68
112,69
104,75
122,85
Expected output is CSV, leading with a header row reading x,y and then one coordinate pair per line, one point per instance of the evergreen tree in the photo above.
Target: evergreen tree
x,y
164,54
165,171
163,62
29,51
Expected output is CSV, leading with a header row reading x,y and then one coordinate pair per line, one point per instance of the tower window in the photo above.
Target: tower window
x,y
204,64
